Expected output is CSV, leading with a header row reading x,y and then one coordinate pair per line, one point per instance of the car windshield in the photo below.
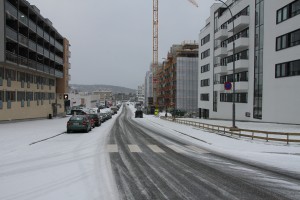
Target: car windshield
x,y
76,118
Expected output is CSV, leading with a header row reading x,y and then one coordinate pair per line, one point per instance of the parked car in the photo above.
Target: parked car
x,y
96,118
91,120
79,123
103,117
78,112
114,109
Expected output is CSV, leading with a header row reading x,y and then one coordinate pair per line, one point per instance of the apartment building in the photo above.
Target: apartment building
x,y
178,78
34,63
263,46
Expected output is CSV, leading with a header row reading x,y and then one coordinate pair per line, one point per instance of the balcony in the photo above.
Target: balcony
x,y
11,57
220,51
11,33
59,46
52,57
32,45
40,49
11,10
58,60
46,53
39,67
218,86
220,69
240,65
46,36
241,44
32,26
240,23
23,18
221,34
40,31
31,64
59,74
242,86
23,61
52,41
23,40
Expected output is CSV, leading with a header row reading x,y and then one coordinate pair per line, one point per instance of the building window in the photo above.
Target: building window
x,y
205,68
10,96
204,97
205,54
287,69
205,40
243,55
239,77
205,82
288,11
288,40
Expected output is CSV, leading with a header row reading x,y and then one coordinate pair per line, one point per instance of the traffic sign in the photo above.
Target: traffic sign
x,y
227,85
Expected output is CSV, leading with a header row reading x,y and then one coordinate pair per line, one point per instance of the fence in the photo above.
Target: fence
x,y
257,134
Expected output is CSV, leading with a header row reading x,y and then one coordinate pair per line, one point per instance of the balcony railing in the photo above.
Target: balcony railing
x,y
46,36
59,46
12,34
23,18
40,31
32,64
46,53
52,41
23,40
23,61
11,9
40,49
32,45
52,71
59,74
32,25
39,66
46,69
52,57
59,60
11,57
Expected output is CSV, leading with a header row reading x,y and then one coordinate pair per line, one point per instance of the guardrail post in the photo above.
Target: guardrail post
x,y
267,137
252,134
287,138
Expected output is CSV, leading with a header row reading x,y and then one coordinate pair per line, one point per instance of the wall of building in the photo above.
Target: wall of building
x,y
281,95
2,35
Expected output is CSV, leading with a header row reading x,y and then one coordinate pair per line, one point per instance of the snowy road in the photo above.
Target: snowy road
x,y
150,163
149,158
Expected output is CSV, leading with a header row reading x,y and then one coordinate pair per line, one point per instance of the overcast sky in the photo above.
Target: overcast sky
x,y
111,40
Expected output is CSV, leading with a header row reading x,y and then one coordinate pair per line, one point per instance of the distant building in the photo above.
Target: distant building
x,y
267,61
140,93
148,88
178,78
34,63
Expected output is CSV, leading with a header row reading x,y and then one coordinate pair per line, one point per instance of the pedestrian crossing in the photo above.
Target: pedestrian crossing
x,y
133,148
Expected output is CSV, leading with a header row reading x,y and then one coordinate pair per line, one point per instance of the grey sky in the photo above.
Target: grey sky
x,y
111,40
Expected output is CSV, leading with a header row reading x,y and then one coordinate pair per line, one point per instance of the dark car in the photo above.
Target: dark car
x,y
103,117
79,123
96,118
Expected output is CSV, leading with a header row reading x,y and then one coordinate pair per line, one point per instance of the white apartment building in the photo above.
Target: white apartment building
x,y
266,58
140,93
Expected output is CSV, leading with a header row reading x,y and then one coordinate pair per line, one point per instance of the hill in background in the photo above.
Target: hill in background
x,y
92,88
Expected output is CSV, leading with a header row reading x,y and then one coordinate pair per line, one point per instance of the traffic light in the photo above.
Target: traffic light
x,y
66,96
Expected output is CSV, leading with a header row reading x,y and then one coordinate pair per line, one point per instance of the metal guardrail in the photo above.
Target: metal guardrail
x,y
257,134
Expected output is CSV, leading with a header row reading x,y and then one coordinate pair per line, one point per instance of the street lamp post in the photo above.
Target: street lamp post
x,y
233,68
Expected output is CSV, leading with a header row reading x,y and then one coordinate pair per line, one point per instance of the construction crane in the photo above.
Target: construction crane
x,y
155,43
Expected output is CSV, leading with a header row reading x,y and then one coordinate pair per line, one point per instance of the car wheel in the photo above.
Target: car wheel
x,y
68,131
87,130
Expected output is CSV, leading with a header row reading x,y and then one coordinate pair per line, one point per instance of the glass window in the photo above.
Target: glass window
x,y
278,43
279,16
283,42
295,8
284,13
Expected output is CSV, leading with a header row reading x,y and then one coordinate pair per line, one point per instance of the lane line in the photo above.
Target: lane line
x,y
134,148
176,148
196,149
112,148
156,149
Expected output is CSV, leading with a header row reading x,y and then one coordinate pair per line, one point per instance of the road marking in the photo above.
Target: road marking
x,y
112,148
198,150
176,148
134,148
156,149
